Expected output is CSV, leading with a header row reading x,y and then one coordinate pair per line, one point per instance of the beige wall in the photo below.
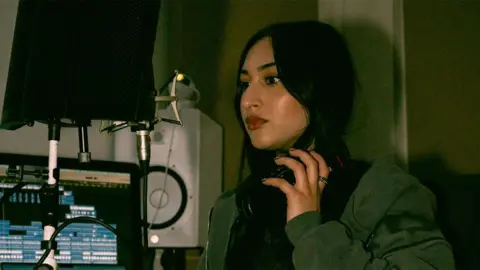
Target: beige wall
x,y
418,64
442,45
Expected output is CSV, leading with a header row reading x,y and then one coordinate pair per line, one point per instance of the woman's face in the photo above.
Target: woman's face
x,y
273,118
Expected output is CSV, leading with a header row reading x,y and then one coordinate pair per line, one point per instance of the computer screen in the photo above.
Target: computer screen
x,y
102,194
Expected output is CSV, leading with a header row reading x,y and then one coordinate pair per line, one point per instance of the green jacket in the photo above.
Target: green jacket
x,y
388,223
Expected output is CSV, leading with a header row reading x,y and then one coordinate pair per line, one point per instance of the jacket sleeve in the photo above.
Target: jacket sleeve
x,y
205,258
202,263
405,238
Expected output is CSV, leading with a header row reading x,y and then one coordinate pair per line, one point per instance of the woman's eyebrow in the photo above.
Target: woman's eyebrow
x,y
260,68
265,66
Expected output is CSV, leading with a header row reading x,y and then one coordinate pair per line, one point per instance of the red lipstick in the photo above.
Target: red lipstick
x,y
254,122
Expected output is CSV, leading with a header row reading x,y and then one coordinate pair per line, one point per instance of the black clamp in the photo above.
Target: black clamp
x,y
44,267
47,244
49,198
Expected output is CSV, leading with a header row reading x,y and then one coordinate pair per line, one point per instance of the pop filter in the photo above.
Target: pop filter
x,y
80,60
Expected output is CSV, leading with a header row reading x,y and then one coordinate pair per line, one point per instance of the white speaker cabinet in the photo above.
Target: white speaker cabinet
x,y
185,178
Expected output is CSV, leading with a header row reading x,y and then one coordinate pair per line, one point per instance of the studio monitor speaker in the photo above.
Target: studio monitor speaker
x,y
185,178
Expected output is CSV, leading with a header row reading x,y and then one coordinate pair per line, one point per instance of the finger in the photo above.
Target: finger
x,y
323,169
281,184
298,169
311,164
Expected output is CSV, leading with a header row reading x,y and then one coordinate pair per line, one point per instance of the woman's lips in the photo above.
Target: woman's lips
x,y
255,122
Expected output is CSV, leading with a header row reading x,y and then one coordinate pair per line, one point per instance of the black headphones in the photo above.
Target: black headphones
x,y
252,196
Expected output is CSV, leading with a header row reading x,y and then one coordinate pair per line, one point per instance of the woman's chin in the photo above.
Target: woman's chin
x,y
263,144
270,142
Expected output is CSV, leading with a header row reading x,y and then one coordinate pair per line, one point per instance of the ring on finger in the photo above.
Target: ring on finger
x,y
323,179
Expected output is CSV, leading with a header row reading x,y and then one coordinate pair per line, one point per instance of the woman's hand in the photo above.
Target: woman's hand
x,y
305,195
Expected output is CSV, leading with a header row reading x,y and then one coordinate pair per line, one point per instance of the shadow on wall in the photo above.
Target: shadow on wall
x,y
458,198
377,111
196,39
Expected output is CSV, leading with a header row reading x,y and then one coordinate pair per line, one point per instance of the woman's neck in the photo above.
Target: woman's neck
x,y
284,152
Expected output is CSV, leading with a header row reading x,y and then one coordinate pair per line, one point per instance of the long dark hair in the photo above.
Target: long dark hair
x,y
315,66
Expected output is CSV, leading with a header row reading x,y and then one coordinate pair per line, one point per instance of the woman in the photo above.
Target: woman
x,y
295,93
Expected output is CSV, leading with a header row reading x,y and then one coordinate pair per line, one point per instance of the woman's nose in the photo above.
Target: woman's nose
x,y
250,99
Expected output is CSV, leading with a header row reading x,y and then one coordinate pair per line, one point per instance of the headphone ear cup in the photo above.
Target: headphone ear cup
x,y
285,172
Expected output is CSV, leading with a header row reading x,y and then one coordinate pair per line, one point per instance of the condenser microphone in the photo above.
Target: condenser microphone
x,y
143,150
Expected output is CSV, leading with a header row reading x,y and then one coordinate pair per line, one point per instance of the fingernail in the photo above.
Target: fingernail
x,y
292,149
276,158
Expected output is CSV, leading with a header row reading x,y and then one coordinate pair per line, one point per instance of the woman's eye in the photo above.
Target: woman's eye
x,y
272,80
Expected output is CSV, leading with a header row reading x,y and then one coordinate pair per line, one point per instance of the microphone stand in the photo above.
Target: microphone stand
x,y
142,131
49,197
84,155
173,259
